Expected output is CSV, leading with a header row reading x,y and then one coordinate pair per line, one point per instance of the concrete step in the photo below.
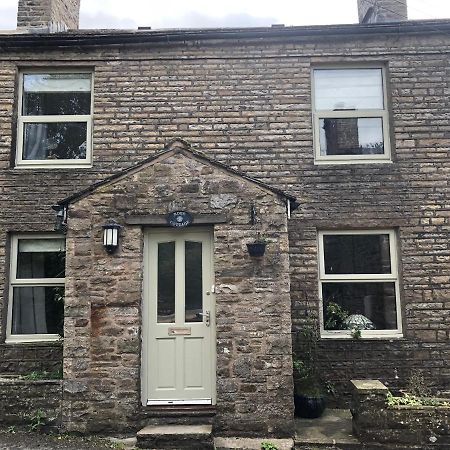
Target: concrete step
x,y
239,443
175,437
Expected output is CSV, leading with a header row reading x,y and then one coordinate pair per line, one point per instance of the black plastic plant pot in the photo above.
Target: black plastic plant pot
x,y
309,407
256,249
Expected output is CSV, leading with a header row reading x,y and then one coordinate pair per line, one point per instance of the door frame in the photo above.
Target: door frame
x,y
148,232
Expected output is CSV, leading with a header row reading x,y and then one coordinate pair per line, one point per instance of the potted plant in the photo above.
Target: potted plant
x,y
310,393
257,247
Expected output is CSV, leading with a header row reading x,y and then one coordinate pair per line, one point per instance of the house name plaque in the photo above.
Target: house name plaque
x,y
179,219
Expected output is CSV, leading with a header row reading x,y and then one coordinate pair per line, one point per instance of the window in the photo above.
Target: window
x,y
55,121
36,294
359,283
350,116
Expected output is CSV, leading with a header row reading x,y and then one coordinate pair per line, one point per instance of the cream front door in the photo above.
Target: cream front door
x,y
178,318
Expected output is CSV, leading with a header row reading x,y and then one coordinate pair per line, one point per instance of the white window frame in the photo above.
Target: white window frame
x,y
21,120
349,114
392,277
23,282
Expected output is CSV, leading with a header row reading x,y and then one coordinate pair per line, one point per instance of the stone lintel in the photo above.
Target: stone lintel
x,y
159,219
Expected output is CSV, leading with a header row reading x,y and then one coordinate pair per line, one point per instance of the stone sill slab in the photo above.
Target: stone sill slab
x,y
235,443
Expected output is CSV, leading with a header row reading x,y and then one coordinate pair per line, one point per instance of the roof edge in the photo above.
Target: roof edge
x,y
171,148
122,37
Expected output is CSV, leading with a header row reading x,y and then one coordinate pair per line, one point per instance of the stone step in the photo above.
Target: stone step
x,y
239,443
175,437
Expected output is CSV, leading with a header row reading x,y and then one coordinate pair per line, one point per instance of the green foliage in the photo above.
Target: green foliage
x,y
408,399
11,429
417,385
335,316
266,445
37,420
356,333
36,375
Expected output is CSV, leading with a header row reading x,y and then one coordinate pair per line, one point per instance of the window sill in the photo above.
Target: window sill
x,y
41,166
333,162
364,336
41,340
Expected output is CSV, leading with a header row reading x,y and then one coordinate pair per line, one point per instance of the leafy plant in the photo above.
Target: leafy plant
x,y
260,239
267,445
11,429
356,333
306,374
37,420
408,399
417,385
335,316
37,375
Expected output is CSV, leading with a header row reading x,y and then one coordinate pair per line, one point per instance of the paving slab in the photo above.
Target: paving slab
x,y
333,428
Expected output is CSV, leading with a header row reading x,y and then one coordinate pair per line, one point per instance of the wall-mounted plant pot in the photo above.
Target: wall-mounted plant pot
x,y
256,249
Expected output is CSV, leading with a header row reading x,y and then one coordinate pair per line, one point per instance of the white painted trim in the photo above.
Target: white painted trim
x,y
393,277
20,282
148,233
21,120
381,113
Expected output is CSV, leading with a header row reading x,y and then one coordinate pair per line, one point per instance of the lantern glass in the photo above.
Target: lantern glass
x,y
111,236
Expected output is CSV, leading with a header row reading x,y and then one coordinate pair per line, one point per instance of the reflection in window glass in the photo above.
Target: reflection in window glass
x,y
41,258
38,310
56,94
193,282
54,140
369,306
351,136
356,253
166,282
352,89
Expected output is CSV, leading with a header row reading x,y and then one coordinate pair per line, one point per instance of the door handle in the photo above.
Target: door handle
x,y
206,318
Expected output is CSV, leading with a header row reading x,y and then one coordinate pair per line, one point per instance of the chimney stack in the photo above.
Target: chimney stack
x,y
48,16
380,11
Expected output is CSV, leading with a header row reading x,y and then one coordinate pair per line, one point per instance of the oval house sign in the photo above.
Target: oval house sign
x,y
179,219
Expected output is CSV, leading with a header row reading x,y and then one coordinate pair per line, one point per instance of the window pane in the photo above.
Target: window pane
x,y
60,140
365,305
337,89
52,104
55,94
193,282
356,253
351,136
38,310
166,282
41,258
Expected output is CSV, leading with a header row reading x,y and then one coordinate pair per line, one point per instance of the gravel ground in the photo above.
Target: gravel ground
x,y
12,439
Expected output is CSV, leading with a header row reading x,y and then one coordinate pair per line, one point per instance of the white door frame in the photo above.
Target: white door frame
x,y
145,334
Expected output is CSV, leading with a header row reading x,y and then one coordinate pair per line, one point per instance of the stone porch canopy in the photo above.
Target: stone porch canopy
x,y
173,147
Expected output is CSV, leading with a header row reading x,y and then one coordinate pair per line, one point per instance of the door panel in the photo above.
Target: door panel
x,y
178,318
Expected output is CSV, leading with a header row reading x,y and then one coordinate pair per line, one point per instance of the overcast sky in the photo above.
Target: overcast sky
x,y
215,13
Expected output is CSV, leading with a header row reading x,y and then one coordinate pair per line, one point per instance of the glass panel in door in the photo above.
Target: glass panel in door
x,y
193,284
166,282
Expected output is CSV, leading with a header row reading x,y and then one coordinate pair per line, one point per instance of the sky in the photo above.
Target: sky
x,y
130,14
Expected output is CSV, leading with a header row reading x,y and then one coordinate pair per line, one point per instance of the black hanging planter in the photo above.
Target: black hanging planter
x,y
256,249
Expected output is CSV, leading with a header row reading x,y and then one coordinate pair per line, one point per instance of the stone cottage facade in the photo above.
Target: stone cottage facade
x,y
331,142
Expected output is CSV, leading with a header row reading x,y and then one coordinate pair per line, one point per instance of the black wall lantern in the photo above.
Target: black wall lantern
x,y
111,231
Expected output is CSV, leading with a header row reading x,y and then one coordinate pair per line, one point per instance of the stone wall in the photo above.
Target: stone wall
x,y
22,401
102,351
375,422
248,104
24,359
